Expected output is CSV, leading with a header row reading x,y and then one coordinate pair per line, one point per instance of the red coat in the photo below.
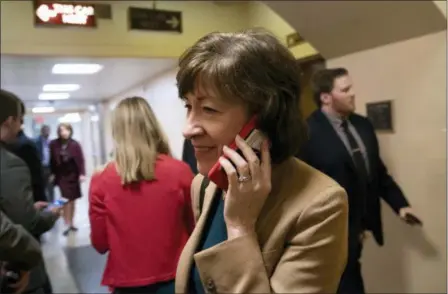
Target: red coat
x,y
143,227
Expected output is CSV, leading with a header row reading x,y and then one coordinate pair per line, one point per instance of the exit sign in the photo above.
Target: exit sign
x,y
54,14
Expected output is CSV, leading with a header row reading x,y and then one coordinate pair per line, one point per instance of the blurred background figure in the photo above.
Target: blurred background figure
x,y
26,149
140,205
67,168
43,147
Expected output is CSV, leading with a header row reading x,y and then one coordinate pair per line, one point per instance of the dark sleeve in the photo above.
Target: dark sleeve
x,y
188,155
305,153
17,246
53,162
388,188
79,158
16,199
187,179
29,153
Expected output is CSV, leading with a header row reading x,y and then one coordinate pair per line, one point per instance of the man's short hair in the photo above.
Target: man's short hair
x,y
10,105
323,81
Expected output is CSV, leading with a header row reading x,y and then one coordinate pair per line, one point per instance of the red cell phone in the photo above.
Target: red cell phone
x,y
253,137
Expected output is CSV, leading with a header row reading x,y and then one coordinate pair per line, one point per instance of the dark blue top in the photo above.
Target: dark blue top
x,y
215,232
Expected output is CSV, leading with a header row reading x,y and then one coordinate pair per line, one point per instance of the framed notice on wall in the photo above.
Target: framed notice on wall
x,y
381,115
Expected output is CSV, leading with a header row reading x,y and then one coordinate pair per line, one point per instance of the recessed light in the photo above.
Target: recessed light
x,y
54,96
76,69
70,118
60,87
45,109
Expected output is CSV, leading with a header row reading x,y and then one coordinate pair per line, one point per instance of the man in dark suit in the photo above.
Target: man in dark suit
x,y
344,146
25,148
17,247
21,178
16,189
43,147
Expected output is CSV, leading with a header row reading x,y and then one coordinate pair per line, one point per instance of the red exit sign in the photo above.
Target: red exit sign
x,y
52,13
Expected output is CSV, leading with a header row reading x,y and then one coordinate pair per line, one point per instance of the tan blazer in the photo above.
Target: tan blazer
x,y
300,245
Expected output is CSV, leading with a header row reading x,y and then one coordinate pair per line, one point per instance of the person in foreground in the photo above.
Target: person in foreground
x,y
140,204
281,225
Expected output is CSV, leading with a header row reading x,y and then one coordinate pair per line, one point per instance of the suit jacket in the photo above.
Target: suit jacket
x,y
300,244
17,246
326,152
189,157
16,201
26,149
39,146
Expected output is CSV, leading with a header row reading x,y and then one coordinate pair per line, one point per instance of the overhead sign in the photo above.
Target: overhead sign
x,y
50,13
154,20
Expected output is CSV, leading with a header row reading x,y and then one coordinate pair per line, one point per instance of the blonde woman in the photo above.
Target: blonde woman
x,y
140,207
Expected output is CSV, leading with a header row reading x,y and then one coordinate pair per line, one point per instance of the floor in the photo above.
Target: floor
x,y
55,245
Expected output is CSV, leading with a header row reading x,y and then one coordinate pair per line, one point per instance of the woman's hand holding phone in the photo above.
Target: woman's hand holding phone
x,y
249,187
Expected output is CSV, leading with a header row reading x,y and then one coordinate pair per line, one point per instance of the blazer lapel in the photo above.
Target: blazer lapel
x,y
333,138
183,273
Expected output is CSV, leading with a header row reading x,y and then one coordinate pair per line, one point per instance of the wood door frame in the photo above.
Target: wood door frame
x,y
311,61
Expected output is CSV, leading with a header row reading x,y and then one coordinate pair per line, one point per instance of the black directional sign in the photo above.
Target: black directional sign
x,y
154,20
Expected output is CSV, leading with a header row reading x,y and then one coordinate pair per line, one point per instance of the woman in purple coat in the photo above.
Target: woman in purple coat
x,y
67,166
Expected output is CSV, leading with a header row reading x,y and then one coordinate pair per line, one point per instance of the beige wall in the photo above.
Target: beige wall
x,y
260,15
112,38
412,74
441,5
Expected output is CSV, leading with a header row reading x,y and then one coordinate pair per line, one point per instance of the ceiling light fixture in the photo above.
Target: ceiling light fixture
x,y
70,118
54,96
45,109
76,69
60,87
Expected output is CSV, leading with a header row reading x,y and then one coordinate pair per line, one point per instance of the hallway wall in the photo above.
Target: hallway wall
x,y
412,74
161,93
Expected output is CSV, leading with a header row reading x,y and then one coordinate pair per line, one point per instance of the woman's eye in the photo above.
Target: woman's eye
x,y
209,110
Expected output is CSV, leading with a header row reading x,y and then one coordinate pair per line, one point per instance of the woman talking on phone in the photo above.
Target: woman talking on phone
x,y
140,205
272,223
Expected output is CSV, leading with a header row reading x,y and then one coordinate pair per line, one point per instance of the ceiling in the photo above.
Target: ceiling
x,y
338,28
26,75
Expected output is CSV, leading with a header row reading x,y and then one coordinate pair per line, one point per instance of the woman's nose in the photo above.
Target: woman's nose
x,y
191,130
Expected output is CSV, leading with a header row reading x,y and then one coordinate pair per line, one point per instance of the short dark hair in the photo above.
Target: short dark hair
x,y
10,105
253,67
22,108
323,81
22,112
